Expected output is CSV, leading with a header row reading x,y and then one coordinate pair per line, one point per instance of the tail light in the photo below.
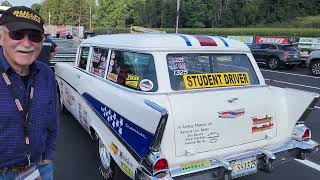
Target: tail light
x,y
306,135
160,167
301,133
285,54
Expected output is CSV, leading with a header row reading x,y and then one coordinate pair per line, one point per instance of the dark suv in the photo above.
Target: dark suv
x,y
274,55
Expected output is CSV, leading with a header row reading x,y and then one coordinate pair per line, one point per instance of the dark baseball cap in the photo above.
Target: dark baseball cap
x,y
20,18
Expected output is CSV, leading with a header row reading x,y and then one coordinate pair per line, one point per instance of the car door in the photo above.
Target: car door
x,y
257,52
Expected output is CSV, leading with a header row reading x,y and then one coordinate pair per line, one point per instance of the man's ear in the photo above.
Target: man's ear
x,y
1,38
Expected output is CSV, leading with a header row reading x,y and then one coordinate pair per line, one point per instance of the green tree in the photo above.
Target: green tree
x,y
6,3
36,7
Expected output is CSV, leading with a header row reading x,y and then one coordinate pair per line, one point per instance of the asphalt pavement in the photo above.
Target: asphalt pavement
x,y
76,156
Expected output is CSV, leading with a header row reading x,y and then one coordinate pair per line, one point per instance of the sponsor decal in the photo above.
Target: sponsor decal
x,y
262,124
114,148
194,81
261,120
191,166
261,39
146,85
125,159
112,77
232,113
132,81
126,169
262,128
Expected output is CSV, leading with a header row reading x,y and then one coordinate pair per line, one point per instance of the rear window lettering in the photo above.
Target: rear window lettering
x,y
133,70
210,71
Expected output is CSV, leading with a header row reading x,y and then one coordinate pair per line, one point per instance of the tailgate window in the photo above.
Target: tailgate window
x,y
196,71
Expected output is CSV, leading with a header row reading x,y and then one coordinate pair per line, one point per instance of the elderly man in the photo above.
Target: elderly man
x,y
29,108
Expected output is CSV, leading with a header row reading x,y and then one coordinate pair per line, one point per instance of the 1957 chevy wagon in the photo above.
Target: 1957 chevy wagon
x,y
173,106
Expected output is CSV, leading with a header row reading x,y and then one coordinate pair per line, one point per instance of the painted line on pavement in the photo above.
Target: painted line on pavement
x,y
316,107
312,87
290,73
309,164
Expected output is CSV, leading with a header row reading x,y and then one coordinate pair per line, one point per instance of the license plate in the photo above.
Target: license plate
x,y
243,167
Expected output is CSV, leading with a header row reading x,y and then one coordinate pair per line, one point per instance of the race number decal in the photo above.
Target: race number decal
x,y
196,81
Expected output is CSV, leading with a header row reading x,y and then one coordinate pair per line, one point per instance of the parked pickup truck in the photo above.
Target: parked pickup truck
x,y
174,106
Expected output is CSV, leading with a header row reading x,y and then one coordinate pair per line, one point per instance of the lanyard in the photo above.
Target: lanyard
x,y
24,113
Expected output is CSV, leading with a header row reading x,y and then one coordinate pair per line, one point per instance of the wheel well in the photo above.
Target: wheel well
x,y
314,60
274,57
93,134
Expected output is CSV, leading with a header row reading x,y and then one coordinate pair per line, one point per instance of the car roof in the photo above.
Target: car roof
x,y
168,42
279,44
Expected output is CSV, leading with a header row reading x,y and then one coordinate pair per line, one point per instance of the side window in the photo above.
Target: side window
x,y
98,61
83,57
133,70
264,46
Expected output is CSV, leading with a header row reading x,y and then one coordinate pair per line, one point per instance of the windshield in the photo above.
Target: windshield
x,y
196,71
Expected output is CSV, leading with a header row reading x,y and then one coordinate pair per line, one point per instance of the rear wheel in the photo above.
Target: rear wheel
x,y
108,168
315,68
273,63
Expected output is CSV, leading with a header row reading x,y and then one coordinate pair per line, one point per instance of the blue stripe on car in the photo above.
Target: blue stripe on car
x,y
224,41
186,40
138,139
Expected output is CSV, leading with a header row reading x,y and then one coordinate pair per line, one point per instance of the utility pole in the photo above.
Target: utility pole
x,y
90,16
49,23
177,21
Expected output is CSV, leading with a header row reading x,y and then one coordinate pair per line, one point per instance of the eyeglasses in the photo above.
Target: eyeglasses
x,y
34,36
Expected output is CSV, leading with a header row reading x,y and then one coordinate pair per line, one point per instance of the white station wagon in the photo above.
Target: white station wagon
x,y
174,106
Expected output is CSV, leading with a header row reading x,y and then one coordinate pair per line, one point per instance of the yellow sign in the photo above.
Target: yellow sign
x,y
190,166
126,169
114,148
132,80
193,81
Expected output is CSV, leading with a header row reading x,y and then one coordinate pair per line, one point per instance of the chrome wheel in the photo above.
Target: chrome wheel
x,y
273,63
315,68
104,155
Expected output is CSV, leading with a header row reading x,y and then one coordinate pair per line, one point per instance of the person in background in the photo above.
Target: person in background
x,y
29,106
58,34
69,36
48,51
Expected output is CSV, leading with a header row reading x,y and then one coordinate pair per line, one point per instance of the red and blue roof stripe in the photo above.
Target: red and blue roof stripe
x,y
204,40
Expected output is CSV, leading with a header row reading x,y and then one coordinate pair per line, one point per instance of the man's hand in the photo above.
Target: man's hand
x,y
46,161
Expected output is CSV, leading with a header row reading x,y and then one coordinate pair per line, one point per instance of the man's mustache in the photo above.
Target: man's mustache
x,y
24,49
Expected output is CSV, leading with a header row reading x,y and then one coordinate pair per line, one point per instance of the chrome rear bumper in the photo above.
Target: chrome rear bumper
x,y
267,159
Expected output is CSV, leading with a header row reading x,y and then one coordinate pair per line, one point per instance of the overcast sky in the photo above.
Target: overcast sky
x,y
27,3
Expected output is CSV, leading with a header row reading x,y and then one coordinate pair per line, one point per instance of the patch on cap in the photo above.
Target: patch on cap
x,y
20,18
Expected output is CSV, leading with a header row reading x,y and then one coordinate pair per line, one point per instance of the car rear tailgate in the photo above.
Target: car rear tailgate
x,y
210,120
